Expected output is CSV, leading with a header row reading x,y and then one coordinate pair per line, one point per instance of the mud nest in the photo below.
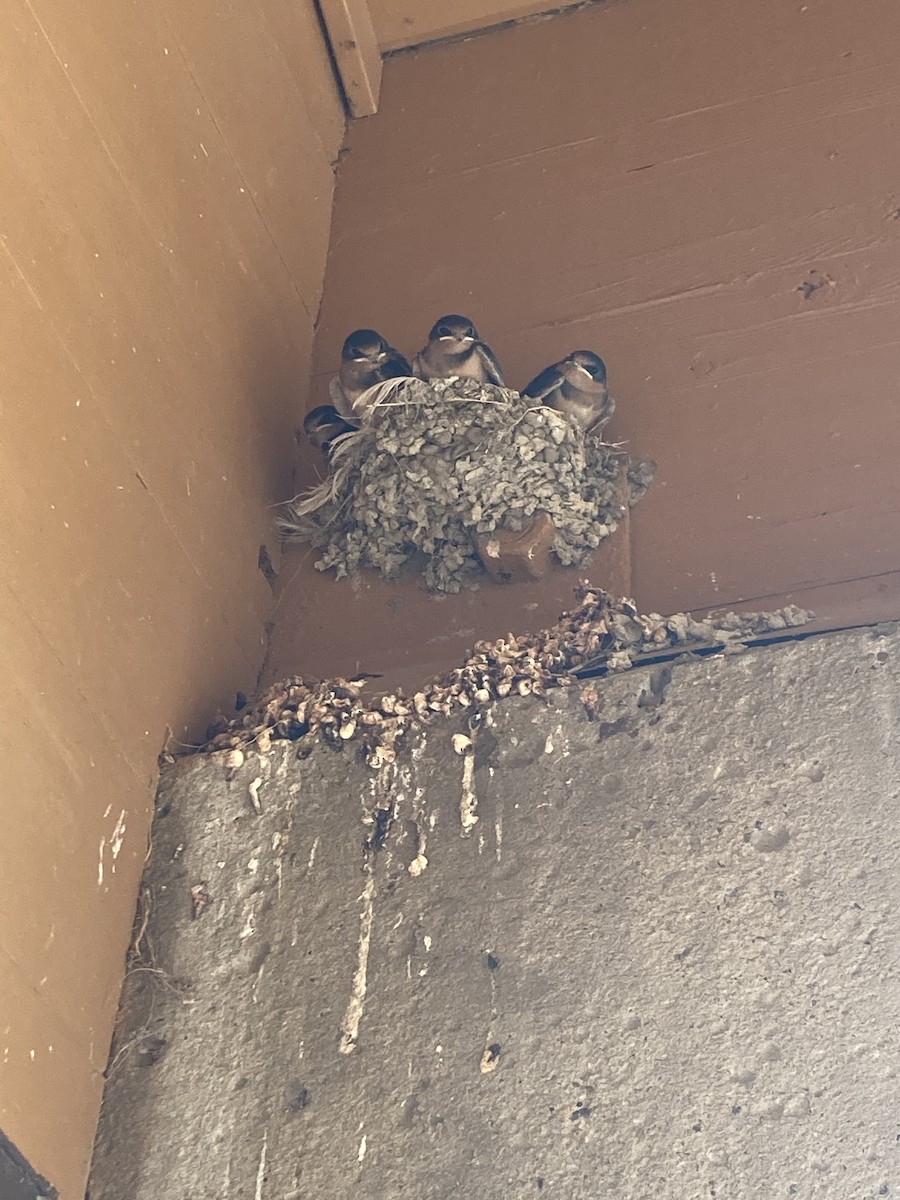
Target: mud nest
x,y
439,464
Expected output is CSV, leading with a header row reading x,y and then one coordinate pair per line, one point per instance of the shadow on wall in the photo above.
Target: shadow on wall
x,y
275,381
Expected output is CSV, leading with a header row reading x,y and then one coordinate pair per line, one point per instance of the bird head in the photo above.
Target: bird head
x,y
454,332
365,346
586,364
323,424
323,414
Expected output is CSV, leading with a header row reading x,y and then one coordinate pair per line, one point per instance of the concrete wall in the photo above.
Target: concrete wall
x,y
664,963
167,195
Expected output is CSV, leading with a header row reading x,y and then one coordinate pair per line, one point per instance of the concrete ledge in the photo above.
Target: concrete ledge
x,y
663,963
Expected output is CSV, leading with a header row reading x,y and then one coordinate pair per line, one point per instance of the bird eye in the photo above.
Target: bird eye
x,y
444,331
470,331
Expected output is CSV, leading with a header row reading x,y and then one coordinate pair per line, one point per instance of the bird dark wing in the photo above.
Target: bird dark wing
x,y
545,383
490,362
394,367
323,425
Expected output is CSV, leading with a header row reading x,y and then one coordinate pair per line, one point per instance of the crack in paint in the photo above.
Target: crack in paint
x,y
117,838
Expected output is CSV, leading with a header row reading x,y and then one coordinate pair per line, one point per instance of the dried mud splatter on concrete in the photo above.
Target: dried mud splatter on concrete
x,y
599,636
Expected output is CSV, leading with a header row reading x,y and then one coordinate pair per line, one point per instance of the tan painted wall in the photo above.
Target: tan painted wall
x,y
400,23
167,187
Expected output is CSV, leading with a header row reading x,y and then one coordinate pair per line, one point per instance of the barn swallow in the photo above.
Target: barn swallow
x,y
323,425
366,359
577,387
454,348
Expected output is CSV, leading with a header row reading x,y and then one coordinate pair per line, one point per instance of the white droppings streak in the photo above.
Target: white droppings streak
x,y
253,789
420,862
498,834
353,1015
468,801
100,866
249,923
257,982
312,855
261,1169
278,848
548,745
361,1154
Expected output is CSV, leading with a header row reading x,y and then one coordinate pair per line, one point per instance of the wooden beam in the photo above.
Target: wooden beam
x,y
356,54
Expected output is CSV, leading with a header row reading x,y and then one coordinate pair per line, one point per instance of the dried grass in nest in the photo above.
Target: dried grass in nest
x,y
436,465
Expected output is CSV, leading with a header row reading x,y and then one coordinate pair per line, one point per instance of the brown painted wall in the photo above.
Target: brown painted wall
x,y
167,196
706,193
401,23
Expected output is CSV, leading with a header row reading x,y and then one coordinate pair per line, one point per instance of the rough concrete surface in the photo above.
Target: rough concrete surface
x,y
664,963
